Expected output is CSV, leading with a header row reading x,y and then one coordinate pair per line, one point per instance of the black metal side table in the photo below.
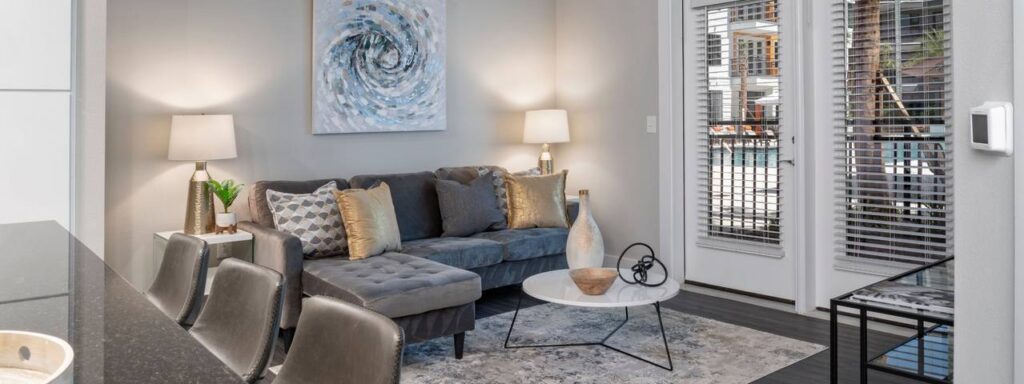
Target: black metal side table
x,y
924,295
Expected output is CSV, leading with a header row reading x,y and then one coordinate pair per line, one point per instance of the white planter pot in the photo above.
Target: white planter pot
x,y
585,246
27,357
225,220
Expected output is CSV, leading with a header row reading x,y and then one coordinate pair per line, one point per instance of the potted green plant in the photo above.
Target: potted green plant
x,y
226,191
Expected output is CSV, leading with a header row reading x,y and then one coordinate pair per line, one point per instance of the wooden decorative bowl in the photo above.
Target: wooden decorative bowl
x,y
594,281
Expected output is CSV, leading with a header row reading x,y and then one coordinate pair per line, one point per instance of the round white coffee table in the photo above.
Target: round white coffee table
x,y
557,287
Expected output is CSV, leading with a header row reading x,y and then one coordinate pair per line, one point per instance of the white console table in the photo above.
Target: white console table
x,y
237,245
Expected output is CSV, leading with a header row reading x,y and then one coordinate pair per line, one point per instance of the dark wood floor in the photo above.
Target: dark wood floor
x,y
814,369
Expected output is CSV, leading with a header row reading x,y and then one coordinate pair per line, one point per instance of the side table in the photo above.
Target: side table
x,y
923,295
238,245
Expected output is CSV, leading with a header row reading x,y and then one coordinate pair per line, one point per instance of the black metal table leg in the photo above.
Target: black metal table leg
x,y
583,344
664,339
834,343
616,328
920,347
863,346
661,325
514,316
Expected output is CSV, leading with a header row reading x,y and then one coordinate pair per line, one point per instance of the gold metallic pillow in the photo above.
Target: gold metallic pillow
x,y
536,201
370,221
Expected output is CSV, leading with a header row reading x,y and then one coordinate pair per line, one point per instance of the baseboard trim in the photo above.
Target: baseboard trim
x,y
741,292
791,302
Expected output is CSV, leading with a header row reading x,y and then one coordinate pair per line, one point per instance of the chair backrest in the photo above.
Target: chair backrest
x,y
179,284
339,342
240,319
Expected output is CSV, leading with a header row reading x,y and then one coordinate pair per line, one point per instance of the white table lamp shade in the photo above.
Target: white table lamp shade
x,y
202,138
547,126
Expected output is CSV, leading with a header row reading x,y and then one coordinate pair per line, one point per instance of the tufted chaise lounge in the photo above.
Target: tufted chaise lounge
x,y
430,287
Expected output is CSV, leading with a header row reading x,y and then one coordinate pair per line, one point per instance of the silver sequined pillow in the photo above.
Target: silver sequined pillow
x,y
312,217
499,187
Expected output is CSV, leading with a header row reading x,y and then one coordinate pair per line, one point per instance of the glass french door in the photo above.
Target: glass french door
x,y
738,145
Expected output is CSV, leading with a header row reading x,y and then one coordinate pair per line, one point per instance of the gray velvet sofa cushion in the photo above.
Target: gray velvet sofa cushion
x,y
523,244
459,252
392,284
464,175
415,202
260,211
438,323
514,272
468,209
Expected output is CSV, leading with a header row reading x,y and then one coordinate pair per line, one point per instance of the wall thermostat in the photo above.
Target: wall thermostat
x,y
992,127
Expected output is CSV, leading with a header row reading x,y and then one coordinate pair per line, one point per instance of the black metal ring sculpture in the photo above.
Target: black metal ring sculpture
x,y
641,267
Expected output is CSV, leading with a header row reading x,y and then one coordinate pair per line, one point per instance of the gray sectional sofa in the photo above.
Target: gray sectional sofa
x,y
430,287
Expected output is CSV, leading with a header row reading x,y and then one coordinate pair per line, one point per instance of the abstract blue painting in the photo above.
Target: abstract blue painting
x,y
378,66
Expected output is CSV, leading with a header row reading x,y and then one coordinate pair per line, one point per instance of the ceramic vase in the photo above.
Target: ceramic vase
x,y
585,246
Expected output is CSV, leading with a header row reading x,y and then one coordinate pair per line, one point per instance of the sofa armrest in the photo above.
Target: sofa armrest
x,y
573,209
281,252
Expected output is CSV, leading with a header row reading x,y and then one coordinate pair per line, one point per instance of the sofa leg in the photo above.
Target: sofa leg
x,y
460,340
287,335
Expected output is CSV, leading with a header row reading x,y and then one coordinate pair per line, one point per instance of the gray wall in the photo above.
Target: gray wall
x,y
983,194
252,59
608,81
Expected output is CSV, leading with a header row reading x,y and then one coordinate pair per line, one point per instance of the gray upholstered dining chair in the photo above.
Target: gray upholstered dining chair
x,y
339,342
240,319
181,280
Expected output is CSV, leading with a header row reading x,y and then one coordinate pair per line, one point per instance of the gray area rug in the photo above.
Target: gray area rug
x,y
703,350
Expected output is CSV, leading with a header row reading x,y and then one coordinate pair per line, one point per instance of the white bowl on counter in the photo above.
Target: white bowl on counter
x,y
27,357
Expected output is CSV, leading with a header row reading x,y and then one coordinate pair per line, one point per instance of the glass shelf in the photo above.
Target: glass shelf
x,y
933,283
931,358
924,294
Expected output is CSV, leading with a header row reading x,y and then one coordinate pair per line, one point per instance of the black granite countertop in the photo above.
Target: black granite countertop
x,y
51,283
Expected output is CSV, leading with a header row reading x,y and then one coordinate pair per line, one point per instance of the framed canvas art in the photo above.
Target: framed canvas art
x,y
378,66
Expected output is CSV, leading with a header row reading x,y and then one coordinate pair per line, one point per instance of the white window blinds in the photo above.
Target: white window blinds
x,y
893,134
739,107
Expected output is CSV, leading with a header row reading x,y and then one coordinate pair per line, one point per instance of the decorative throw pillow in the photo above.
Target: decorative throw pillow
x,y
498,178
535,171
312,217
370,221
537,201
468,209
499,188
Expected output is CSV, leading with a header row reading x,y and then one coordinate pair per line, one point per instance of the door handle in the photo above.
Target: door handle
x,y
787,161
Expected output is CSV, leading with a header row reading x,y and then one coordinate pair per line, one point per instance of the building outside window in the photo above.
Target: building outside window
x,y
741,83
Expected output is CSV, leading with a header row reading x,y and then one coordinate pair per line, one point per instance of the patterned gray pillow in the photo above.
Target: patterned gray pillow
x,y
499,188
312,217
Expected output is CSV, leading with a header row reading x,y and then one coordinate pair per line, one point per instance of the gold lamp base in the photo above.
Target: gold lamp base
x,y
199,209
546,163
